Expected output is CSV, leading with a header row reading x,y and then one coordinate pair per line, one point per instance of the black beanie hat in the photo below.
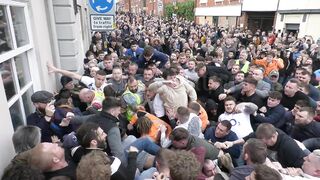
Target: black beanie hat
x,y
65,80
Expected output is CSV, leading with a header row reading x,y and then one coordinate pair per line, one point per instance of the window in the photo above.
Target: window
x,y
16,50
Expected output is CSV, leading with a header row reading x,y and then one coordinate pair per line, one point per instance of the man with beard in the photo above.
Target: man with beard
x,y
42,116
92,138
133,95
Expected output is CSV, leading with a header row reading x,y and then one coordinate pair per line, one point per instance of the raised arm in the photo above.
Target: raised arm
x,y
53,69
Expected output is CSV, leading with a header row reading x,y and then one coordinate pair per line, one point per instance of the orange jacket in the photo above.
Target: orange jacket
x,y
156,122
204,118
268,67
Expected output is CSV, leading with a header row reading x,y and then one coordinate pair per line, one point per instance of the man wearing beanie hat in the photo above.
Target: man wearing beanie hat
x,y
66,82
42,100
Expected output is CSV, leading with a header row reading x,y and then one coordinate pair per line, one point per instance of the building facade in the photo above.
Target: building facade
x,y
32,34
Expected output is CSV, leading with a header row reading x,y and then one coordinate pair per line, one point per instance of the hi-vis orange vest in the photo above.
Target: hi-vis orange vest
x,y
156,122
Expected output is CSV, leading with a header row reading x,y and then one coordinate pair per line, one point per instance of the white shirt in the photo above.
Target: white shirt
x,y
240,123
90,83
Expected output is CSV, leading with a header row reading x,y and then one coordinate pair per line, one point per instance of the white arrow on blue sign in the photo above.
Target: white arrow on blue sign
x,y
101,6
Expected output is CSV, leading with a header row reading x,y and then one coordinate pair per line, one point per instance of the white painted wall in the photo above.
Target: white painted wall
x,y
260,5
234,10
310,27
298,4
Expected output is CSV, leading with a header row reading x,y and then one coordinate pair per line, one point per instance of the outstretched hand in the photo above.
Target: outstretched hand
x,y
51,68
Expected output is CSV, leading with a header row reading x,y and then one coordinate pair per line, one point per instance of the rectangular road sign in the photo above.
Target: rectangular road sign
x,y
100,22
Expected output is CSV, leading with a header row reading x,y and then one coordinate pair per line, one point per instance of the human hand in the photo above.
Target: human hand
x,y
133,149
263,109
228,144
222,96
51,68
129,127
65,122
220,145
49,110
55,139
163,128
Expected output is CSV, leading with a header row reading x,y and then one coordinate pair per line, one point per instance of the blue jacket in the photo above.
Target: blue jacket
x,y
156,57
273,116
234,151
134,54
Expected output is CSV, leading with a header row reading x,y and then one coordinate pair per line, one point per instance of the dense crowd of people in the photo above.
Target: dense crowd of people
x,y
171,99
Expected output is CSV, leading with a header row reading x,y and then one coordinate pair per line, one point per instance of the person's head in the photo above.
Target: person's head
x,y
249,85
21,170
94,165
264,172
101,55
299,105
304,116
114,56
47,157
86,95
257,74
191,65
305,76
179,138
274,76
148,74
231,55
90,135
25,138
223,128
229,104
274,99
201,69
194,107
239,77
184,166
291,87
182,114
311,164
148,52
112,106
255,151
132,84
66,82
267,133
214,82
108,62
182,58
243,56
41,99
117,73
93,71
162,160
132,69
304,88
235,69
144,125
89,55
270,56
99,78
209,168
134,45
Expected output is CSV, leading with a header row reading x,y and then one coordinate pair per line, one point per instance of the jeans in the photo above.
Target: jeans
x,y
145,144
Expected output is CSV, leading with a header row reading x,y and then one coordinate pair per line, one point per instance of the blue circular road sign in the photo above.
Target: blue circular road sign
x,y
101,6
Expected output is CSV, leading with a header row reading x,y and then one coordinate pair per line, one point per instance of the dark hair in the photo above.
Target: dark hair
x,y
216,79
86,133
251,80
275,95
183,112
144,125
101,72
148,51
108,91
264,172
25,138
179,134
230,98
110,102
199,66
169,72
226,124
89,53
310,110
265,131
302,103
256,150
21,170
